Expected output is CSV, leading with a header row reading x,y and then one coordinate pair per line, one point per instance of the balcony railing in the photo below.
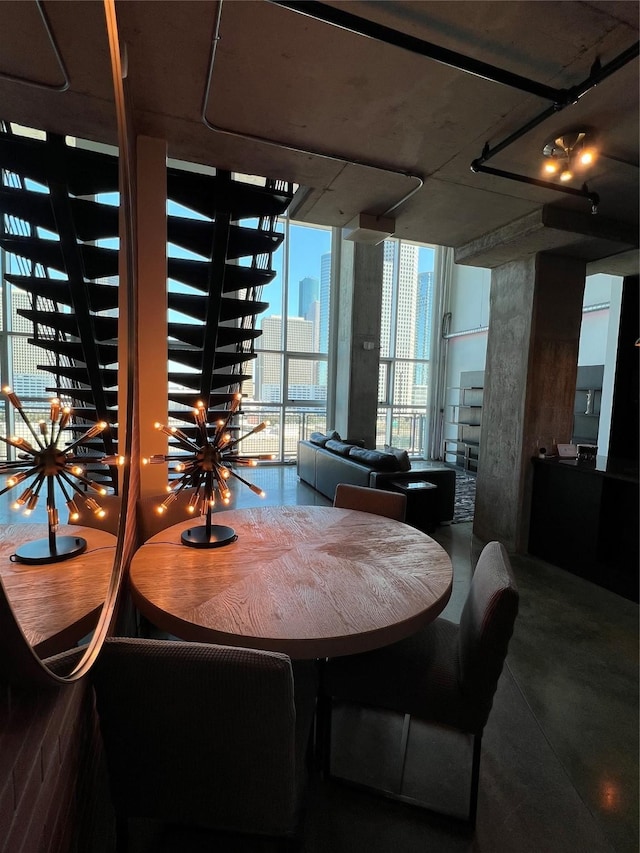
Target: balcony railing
x,y
286,428
407,429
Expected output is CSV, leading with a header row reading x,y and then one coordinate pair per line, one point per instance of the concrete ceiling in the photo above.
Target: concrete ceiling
x,y
358,123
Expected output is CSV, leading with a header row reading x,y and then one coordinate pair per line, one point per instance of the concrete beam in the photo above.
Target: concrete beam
x,y
550,229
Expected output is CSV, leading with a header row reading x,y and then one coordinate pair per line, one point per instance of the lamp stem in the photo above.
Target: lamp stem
x,y
51,504
208,522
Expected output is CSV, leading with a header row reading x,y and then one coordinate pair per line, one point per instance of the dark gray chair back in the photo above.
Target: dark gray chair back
x,y
486,626
199,734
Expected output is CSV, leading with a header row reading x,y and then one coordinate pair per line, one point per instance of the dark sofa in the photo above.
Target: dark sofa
x,y
325,462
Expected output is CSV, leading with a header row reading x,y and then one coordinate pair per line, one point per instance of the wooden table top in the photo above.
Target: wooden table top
x,y
56,604
309,581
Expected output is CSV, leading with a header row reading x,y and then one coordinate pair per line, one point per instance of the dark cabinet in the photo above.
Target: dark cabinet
x,y
584,518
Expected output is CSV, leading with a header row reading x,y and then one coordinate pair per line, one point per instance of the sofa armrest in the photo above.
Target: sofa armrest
x,y
306,465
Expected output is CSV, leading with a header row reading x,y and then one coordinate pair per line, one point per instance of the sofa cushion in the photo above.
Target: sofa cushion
x,y
374,458
402,457
321,439
336,446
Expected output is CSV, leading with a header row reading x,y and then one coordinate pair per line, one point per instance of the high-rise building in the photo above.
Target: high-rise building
x,y
404,266
308,293
28,381
268,372
325,299
313,316
323,319
424,317
406,322
387,297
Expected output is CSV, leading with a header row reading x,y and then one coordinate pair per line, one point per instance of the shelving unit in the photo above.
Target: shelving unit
x,y
463,419
586,412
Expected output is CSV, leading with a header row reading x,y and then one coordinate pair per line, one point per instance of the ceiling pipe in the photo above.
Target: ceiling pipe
x,y
263,140
600,73
594,198
597,75
370,29
560,98
453,59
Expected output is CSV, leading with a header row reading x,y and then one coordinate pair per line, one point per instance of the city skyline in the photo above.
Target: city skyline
x,y
307,242
407,301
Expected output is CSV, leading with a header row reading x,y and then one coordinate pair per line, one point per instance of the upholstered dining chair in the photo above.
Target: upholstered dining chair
x,y
204,736
446,674
377,501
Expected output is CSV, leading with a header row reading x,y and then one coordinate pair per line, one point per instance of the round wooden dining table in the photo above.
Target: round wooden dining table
x,y
309,581
56,604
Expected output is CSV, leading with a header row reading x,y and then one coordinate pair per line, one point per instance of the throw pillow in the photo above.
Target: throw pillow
x,y
374,458
404,463
340,447
321,439
357,442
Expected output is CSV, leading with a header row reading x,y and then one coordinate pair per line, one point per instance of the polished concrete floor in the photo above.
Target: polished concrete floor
x,y
560,752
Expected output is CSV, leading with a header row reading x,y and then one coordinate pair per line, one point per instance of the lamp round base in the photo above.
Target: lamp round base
x,y
197,537
41,551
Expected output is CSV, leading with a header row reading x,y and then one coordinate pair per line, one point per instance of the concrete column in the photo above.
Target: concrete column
x,y
530,382
152,346
358,344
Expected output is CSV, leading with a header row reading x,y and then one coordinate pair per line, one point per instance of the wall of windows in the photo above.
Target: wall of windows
x,y
289,376
405,345
291,370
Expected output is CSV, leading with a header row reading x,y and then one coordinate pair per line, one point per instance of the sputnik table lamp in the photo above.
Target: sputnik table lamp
x,y
44,461
205,465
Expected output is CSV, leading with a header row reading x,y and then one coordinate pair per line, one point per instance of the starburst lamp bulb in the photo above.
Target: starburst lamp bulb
x,y
204,464
43,462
